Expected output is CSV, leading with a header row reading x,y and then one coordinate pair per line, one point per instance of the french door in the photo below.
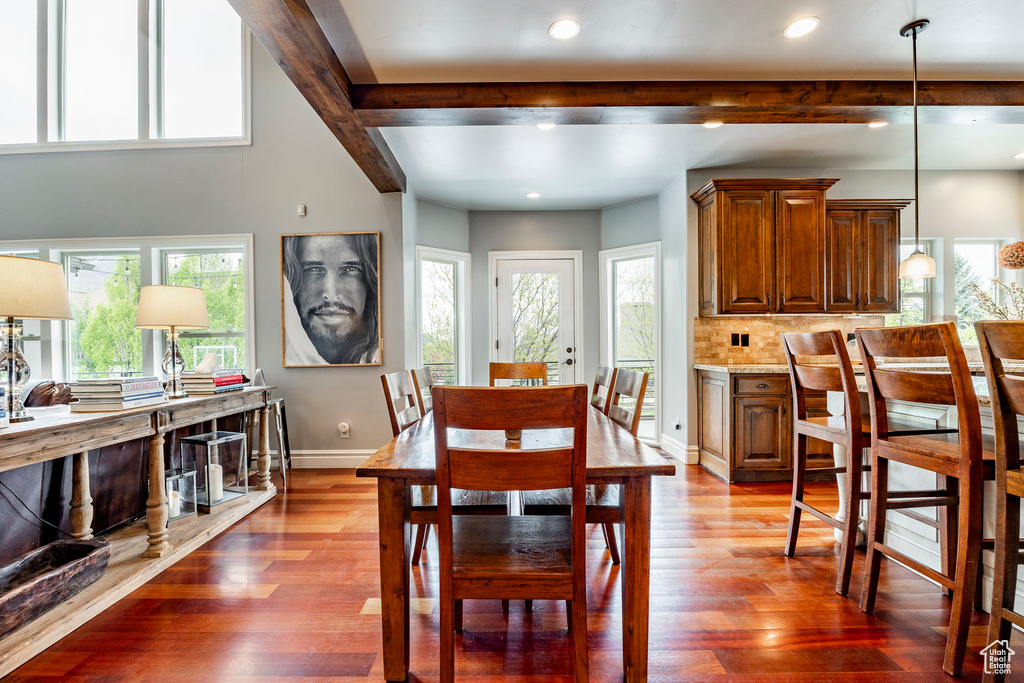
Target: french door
x,y
535,315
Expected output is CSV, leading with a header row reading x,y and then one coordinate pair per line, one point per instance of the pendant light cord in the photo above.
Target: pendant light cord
x,y
917,173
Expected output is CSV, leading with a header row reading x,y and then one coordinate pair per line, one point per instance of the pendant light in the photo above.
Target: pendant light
x,y
918,264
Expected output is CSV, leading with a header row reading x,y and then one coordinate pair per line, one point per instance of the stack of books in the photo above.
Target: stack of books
x,y
199,384
116,393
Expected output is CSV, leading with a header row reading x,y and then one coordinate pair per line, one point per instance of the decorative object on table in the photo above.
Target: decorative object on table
x,y
30,289
4,421
44,578
1011,256
330,299
46,392
180,485
116,393
1013,295
209,364
219,462
918,264
199,384
172,308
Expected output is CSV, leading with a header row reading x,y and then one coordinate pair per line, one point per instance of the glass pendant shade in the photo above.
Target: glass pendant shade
x,y
917,265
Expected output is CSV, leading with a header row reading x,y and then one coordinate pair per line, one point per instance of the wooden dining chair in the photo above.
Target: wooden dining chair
x,y
400,394
633,385
1001,341
523,371
511,557
422,382
831,371
956,456
604,379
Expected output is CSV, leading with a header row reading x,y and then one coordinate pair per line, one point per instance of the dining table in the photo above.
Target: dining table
x,y
614,457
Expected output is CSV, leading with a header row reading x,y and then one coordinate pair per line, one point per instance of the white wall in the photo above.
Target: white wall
x,y
249,189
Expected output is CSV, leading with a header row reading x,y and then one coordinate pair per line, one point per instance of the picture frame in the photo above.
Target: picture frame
x,y
331,300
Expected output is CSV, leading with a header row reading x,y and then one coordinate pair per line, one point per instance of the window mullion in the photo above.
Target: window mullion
x,y
143,46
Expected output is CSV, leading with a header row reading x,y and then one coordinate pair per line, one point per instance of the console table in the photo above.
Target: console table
x,y
139,552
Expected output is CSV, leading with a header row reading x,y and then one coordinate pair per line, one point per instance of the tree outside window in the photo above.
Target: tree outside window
x,y
438,333
973,263
102,337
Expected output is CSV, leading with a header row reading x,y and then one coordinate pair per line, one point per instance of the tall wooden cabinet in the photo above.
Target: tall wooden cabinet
x,y
762,245
862,238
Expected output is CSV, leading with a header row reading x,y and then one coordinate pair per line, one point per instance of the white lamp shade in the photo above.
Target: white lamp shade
x,y
162,307
917,265
33,289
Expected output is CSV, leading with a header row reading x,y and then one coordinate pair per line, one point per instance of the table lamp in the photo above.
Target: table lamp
x,y
167,307
30,289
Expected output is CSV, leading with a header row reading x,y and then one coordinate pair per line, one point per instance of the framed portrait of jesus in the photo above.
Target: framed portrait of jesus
x,y
330,299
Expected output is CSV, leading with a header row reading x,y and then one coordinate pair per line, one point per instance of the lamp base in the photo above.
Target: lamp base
x,y
21,416
175,389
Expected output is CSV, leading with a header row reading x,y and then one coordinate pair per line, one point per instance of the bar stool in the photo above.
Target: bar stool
x,y
957,456
1000,341
848,431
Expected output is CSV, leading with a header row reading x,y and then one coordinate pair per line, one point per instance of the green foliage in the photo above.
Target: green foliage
x,y
220,277
968,308
438,320
104,338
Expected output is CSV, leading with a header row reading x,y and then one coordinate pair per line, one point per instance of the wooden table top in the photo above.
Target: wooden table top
x,y
612,452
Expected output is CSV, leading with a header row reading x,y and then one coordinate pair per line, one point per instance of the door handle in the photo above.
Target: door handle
x,y
858,301
568,361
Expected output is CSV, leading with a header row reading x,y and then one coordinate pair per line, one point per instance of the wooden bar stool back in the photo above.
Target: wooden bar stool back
x,y
1001,341
422,382
538,372
955,455
849,431
604,379
511,557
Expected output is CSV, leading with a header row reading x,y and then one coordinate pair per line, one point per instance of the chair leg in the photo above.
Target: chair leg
x,y
967,553
568,614
504,606
1004,581
447,672
417,546
948,530
876,531
581,661
852,523
528,606
457,616
799,470
613,545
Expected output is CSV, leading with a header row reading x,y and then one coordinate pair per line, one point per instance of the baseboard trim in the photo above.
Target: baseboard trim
x,y
307,460
678,450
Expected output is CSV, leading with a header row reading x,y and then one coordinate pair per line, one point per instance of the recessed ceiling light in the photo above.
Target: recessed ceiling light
x,y
533,195
801,27
546,126
564,29
878,124
1019,156
712,124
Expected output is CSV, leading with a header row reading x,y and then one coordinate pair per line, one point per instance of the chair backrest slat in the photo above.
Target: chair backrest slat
x,y
1012,388
916,387
605,378
819,378
810,343
513,470
634,385
422,381
538,371
399,392
826,347
475,408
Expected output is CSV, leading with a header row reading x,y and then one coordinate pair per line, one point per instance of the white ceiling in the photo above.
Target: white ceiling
x,y
492,167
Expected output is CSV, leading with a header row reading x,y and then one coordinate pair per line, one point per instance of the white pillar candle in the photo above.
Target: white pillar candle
x,y
215,482
173,503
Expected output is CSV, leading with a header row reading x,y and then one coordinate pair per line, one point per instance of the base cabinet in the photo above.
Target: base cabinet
x,y
745,428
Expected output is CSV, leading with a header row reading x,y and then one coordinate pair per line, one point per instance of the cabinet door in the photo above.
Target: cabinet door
x,y
879,261
800,240
842,266
763,433
746,268
708,246
713,423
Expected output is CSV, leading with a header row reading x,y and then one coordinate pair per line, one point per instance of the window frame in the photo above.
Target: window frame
x,y
50,75
926,296
608,258
999,272
463,264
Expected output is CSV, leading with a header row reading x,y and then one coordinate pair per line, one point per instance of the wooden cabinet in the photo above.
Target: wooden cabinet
x,y
762,245
862,239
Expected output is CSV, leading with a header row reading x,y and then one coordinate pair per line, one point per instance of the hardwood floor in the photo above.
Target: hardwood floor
x,y
292,592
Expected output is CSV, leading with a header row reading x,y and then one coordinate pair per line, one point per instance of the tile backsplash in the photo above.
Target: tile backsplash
x,y
712,336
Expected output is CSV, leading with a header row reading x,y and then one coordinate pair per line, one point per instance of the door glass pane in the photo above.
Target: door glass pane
x,y
220,276
18,75
634,330
202,46
974,268
102,73
102,338
535,316
437,313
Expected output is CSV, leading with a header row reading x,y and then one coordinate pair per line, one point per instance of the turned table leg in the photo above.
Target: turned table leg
x,y
81,498
263,482
156,504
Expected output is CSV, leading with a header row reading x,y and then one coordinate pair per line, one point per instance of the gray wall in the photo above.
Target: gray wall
x,y
534,231
248,189
631,223
442,226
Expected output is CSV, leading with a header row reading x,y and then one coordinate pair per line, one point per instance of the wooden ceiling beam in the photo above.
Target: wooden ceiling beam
x,y
290,33
634,102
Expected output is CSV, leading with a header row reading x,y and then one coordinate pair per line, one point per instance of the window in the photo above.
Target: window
x,y
220,274
974,269
915,303
443,313
631,326
121,74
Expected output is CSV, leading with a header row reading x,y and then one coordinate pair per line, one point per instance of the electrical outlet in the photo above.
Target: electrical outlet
x,y
735,339
675,424
850,336
744,340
